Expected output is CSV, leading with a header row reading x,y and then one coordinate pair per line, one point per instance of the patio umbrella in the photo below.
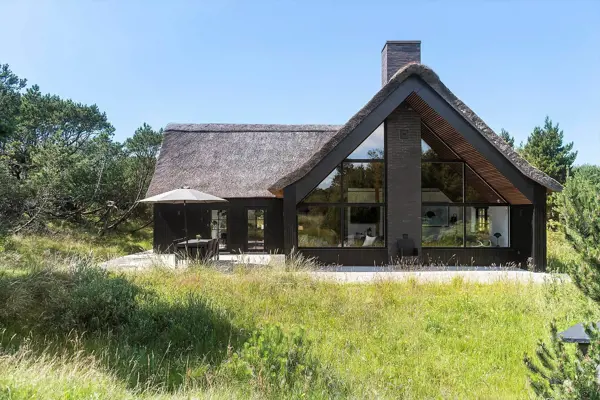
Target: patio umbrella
x,y
183,196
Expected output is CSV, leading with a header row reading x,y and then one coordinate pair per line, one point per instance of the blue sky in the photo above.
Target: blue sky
x,y
308,61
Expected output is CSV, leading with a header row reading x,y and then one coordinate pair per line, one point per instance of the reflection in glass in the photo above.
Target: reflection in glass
x,y
441,182
477,191
256,230
218,227
442,226
371,147
487,226
319,226
363,182
328,191
364,227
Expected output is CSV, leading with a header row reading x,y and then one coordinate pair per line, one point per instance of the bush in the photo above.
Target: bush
x,y
278,363
86,298
558,373
579,208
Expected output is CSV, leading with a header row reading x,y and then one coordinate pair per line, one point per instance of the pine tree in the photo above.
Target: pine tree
x,y
546,151
507,137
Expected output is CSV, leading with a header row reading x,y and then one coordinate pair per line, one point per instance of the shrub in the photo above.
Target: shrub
x,y
579,208
279,363
558,373
86,298
94,300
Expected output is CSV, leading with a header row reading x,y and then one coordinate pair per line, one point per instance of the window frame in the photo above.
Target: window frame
x,y
465,205
342,204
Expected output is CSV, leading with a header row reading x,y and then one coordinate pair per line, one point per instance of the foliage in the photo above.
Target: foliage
x,y
545,149
579,207
179,332
281,364
58,161
10,97
561,373
510,140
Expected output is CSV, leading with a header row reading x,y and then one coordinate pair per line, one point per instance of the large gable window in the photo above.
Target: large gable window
x,y
347,209
459,209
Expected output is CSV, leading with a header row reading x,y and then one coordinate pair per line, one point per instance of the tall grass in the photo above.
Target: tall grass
x,y
71,330
32,250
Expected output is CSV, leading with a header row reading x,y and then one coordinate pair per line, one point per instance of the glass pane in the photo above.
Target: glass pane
x,y
218,227
487,226
442,226
256,230
441,182
364,227
427,152
434,149
372,147
363,182
328,191
477,191
319,226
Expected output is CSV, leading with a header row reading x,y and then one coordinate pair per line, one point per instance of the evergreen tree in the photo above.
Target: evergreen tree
x,y
507,137
546,151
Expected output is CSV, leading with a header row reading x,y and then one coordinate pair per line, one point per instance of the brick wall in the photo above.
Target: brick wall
x,y
403,147
396,54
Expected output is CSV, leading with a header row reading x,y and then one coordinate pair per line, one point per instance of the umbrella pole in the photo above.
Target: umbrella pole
x,y
185,228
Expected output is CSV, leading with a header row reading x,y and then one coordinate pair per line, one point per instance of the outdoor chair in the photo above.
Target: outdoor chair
x,y
406,247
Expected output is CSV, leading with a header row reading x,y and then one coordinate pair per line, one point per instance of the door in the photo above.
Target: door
x,y
256,229
218,228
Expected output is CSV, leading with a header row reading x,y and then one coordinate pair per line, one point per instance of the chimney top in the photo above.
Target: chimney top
x,y
396,54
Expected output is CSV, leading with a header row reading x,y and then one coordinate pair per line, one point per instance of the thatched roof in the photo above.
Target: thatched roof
x,y
229,161
432,79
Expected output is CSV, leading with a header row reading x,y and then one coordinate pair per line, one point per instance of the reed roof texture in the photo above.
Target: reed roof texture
x,y
432,79
236,160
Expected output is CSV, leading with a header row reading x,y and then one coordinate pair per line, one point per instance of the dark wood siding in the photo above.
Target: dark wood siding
x,y
357,257
473,256
168,223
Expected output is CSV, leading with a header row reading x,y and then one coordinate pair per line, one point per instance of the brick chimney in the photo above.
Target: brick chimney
x,y
396,54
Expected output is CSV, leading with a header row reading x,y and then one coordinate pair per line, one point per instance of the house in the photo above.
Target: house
x,y
414,172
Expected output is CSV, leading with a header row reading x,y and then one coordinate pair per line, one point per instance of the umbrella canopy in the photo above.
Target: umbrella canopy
x,y
183,195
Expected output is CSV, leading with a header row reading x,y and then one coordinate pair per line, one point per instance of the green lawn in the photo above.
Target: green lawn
x,y
80,333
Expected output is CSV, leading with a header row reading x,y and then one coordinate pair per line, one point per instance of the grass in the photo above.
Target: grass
x,y
72,331
68,241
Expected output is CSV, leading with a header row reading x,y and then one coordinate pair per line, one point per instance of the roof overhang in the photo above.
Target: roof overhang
x,y
458,126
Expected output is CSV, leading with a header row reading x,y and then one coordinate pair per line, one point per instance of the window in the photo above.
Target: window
x,y
363,226
372,147
218,227
256,229
487,226
363,182
459,209
347,209
442,226
328,191
319,226
442,182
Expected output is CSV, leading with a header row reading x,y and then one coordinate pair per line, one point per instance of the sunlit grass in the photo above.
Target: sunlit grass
x,y
173,333
38,249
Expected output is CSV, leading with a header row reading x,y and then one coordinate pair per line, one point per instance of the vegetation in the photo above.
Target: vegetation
x,y
59,162
510,140
557,371
70,329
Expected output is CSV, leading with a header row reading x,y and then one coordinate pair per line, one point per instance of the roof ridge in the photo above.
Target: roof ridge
x,y
219,127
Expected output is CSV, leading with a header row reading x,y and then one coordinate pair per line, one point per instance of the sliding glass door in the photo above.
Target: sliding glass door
x,y
256,229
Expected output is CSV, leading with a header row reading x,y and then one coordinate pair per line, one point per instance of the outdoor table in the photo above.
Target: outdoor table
x,y
196,248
